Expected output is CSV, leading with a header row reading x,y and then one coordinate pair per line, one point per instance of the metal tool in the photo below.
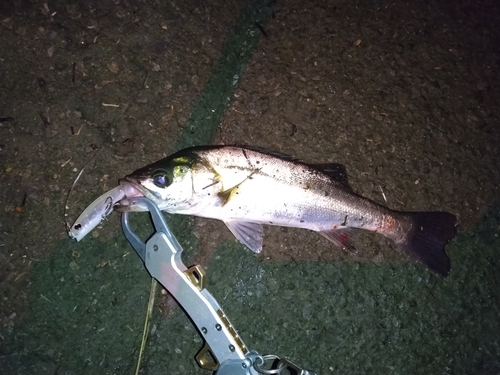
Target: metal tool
x,y
224,352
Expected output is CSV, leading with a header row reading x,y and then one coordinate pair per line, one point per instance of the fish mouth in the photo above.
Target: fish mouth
x,y
132,189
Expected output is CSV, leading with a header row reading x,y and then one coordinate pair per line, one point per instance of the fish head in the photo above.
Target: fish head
x,y
176,184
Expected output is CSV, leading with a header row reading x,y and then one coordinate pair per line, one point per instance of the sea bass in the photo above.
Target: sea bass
x,y
248,187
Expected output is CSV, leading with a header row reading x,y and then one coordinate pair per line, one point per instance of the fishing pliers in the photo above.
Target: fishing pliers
x,y
224,352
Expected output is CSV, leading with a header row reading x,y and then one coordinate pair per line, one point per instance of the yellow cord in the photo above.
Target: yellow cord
x,y
152,295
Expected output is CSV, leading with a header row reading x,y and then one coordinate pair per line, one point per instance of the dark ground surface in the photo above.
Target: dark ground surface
x,y
404,94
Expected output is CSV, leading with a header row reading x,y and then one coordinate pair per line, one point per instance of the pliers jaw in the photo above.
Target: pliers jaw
x,y
159,225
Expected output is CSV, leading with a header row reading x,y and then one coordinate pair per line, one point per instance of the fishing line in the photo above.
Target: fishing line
x,y
71,189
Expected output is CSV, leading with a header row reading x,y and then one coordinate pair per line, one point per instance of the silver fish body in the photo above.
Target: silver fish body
x,y
246,188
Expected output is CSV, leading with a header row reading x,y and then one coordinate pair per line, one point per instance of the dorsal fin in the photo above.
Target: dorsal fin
x,y
335,171
263,150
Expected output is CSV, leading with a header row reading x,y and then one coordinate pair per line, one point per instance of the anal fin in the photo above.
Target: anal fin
x,y
340,237
248,233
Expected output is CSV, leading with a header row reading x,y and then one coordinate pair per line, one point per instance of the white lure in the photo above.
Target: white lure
x,y
98,210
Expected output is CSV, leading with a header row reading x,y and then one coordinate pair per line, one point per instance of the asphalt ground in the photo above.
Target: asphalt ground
x,y
403,94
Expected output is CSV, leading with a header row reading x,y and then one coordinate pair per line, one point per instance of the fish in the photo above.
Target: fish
x,y
247,187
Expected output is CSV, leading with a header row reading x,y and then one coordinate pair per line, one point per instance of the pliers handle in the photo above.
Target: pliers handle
x,y
161,254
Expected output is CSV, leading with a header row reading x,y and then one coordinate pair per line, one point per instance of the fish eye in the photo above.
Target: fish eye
x,y
161,180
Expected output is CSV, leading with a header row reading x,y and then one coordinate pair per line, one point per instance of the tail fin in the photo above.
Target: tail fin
x,y
430,233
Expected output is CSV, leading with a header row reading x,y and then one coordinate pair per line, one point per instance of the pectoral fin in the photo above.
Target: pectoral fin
x,y
340,237
248,233
225,195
